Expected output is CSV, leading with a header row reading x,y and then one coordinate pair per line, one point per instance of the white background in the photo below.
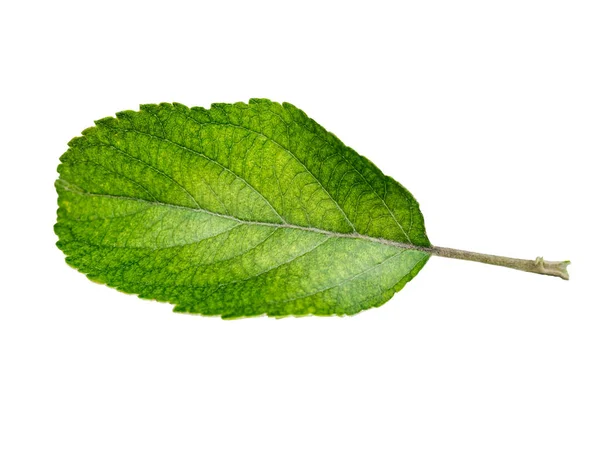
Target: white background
x,y
487,111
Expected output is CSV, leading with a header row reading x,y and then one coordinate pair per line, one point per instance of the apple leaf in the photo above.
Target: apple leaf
x,y
238,210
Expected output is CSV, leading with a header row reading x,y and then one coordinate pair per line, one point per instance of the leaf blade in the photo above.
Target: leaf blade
x,y
150,197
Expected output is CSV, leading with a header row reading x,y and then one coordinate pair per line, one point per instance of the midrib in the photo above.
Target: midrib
x,y
72,187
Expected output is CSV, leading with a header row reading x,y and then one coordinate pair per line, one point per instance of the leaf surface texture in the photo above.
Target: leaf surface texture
x,y
237,210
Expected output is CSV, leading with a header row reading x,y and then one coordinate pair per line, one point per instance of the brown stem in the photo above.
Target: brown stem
x,y
553,268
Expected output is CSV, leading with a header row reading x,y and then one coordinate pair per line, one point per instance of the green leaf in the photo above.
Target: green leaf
x,y
239,210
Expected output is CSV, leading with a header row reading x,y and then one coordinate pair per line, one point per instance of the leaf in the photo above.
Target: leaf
x,y
239,210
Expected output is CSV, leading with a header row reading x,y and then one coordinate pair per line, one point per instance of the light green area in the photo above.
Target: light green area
x,y
238,210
